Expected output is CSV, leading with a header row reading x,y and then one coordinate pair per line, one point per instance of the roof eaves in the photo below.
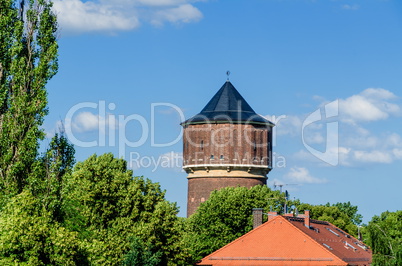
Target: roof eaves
x,y
269,123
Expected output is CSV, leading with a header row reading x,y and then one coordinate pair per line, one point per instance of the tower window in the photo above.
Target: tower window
x,y
212,157
221,157
202,145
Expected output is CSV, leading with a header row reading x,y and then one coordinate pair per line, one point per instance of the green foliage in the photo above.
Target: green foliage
x,y
384,235
114,207
349,210
49,173
227,215
29,235
332,214
28,59
141,254
32,229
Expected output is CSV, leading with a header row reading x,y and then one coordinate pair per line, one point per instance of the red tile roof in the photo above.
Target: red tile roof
x,y
287,241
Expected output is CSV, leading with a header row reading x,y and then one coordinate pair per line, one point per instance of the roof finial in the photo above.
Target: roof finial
x,y
228,74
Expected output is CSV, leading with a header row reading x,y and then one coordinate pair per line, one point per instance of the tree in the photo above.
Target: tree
x,y
28,59
113,207
332,214
49,173
349,210
30,236
227,215
384,235
141,254
32,222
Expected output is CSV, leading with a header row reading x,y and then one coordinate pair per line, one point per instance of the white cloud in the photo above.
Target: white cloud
x,y
78,16
393,140
343,156
339,154
314,138
397,153
368,148
161,2
350,7
172,160
87,121
373,156
286,124
359,108
301,175
360,140
304,155
378,93
184,13
369,105
355,144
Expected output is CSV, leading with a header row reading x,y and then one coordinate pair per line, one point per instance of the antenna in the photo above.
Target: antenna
x,y
228,74
285,204
285,208
281,185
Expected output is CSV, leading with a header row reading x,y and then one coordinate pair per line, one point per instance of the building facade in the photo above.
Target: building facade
x,y
226,144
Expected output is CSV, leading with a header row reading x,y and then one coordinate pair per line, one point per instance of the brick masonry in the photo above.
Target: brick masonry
x,y
199,189
222,155
227,144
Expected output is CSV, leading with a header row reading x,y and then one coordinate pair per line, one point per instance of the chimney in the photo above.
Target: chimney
x,y
257,217
307,219
271,215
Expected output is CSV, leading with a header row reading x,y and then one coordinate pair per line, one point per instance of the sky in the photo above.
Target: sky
x,y
326,72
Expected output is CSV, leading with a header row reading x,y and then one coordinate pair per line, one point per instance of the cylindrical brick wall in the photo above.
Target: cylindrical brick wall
x,y
224,155
199,189
227,144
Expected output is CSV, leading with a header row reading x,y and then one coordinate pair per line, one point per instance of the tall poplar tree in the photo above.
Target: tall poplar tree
x,y
28,60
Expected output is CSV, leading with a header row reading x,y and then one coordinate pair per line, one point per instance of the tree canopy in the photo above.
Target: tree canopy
x,y
384,235
115,209
332,214
28,59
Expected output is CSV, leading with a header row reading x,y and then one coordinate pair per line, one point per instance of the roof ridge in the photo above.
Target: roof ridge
x,y
315,241
239,238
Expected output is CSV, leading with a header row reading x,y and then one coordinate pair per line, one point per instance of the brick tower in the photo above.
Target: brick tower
x,y
226,144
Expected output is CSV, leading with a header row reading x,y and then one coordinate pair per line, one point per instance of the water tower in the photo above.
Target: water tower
x,y
226,144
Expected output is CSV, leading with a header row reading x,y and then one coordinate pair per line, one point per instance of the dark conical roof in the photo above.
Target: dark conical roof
x,y
227,106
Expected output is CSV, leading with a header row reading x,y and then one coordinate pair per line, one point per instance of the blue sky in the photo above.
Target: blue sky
x,y
130,71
